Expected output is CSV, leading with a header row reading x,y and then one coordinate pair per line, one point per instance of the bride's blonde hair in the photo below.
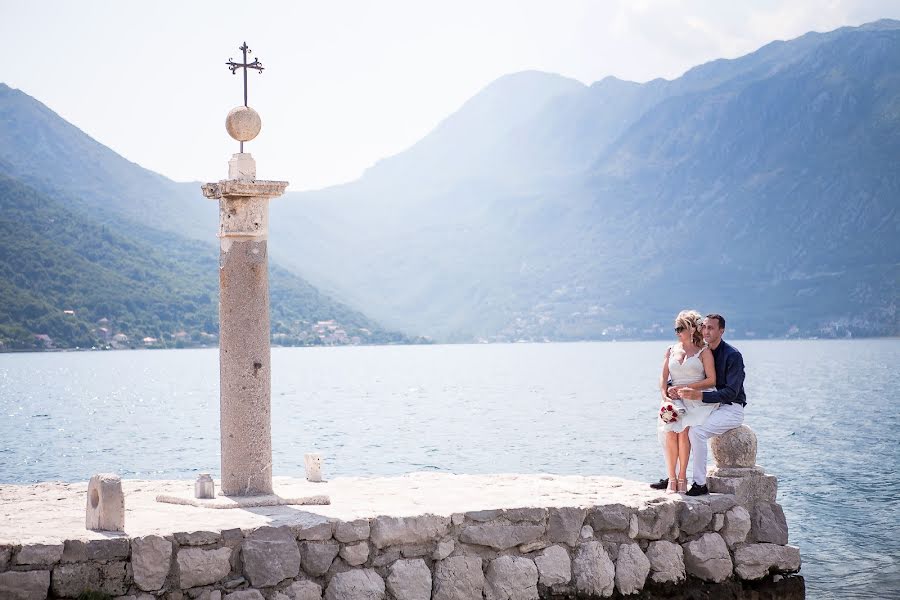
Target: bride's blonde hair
x,y
692,320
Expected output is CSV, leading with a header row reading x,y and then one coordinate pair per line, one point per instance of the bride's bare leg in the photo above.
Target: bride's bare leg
x,y
684,453
671,456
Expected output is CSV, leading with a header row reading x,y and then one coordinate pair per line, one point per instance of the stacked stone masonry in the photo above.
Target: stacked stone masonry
x,y
509,554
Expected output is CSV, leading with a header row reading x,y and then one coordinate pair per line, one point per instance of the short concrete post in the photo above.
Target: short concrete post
x,y
244,349
204,487
105,509
313,467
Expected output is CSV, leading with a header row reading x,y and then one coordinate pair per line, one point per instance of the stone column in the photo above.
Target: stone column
x,y
244,351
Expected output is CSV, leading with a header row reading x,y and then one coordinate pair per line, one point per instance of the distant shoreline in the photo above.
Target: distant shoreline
x,y
470,343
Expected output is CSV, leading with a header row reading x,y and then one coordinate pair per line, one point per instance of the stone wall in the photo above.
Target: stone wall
x,y
492,554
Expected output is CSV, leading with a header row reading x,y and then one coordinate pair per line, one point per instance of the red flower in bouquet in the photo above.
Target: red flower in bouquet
x,y
668,413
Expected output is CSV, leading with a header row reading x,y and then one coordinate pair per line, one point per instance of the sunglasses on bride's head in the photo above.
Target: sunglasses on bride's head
x,y
679,329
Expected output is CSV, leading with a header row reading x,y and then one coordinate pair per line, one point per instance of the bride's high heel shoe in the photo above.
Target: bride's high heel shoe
x,y
673,486
682,486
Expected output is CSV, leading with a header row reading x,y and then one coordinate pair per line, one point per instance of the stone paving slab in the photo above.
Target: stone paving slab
x,y
55,511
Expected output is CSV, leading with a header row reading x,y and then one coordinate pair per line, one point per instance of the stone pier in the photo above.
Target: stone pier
x,y
244,349
422,536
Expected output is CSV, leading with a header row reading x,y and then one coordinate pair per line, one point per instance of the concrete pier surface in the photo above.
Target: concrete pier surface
x,y
49,511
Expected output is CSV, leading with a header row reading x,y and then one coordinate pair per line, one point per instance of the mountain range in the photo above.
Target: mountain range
x,y
764,188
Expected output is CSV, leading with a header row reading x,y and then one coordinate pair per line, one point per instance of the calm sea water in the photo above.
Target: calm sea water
x,y
825,412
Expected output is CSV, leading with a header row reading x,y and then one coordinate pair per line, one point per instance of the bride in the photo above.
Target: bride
x,y
688,363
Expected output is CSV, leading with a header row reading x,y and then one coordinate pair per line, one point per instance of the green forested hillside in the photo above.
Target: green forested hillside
x,y
67,281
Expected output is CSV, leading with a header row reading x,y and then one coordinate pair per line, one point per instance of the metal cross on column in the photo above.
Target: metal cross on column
x,y
244,65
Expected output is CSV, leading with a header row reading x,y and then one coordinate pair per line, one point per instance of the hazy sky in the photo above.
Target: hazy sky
x,y
350,82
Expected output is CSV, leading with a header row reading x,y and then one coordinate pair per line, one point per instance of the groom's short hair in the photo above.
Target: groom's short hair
x,y
719,318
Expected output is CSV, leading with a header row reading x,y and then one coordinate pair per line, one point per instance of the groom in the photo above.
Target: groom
x,y
729,394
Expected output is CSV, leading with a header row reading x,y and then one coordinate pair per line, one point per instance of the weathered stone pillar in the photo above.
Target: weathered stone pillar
x,y
244,351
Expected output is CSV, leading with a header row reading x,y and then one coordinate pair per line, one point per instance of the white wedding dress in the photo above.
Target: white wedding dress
x,y
690,371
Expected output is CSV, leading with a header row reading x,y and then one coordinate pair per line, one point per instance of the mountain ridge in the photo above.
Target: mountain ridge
x,y
91,174
567,210
761,187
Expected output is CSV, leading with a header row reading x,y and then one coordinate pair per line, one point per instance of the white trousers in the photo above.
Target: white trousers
x,y
727,416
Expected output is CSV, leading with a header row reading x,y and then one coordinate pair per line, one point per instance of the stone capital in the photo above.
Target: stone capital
x,y
243,207
235,189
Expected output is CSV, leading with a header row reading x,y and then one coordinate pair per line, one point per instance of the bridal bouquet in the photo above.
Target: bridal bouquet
x,y
668,413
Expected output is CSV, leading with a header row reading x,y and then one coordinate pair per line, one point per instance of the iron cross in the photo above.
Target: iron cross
x,y
244,65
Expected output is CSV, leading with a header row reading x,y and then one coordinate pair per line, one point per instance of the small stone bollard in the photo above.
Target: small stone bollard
x,y
204,487
313,467
105,503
